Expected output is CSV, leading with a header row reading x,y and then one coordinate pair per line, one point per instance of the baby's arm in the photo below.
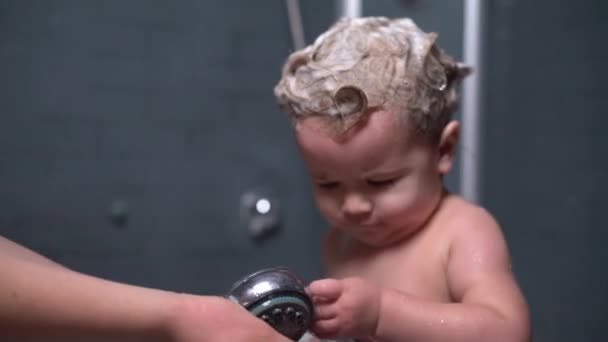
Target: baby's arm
x,y
488,303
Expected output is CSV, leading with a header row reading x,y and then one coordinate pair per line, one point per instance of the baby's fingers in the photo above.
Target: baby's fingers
x,y
324,312
326,328
325,289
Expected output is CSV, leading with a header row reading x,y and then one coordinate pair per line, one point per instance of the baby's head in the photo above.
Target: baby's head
x,y
371,101
365,64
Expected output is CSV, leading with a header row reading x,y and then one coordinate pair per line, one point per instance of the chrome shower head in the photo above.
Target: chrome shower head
x,y
277,296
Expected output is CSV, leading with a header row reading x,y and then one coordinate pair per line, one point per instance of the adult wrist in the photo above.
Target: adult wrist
x,y
187,310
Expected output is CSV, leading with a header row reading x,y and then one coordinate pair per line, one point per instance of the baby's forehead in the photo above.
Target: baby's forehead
x,y
389,124
379,134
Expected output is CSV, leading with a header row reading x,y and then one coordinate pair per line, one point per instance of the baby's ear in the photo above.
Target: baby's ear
x,y
447,147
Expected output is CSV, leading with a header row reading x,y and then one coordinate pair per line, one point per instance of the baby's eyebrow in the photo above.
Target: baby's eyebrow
x,y
385,173
319,175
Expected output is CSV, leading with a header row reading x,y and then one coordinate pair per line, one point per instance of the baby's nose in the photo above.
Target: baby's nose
x,y
356,205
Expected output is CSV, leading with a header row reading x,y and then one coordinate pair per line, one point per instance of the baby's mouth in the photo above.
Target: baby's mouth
x,y
360,225
368,226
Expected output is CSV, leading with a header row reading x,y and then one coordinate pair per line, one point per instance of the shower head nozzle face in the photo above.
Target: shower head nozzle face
x,y
277,296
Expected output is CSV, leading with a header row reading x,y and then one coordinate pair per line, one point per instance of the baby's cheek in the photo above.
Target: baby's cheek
x,y
328,207
395,204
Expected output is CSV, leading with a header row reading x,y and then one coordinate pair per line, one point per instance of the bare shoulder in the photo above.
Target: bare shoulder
x,y
479,266
477,247
466,215
472,227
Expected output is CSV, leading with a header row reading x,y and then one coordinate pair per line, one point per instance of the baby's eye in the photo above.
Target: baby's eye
x,y
379,183
328,185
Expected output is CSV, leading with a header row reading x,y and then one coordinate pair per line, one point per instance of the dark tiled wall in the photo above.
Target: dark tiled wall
x,y
545,157
165,107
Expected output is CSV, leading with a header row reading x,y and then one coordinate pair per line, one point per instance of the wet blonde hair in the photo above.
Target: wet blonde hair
x,y
364,64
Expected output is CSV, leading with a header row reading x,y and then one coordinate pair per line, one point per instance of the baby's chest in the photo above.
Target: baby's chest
x,y
413,272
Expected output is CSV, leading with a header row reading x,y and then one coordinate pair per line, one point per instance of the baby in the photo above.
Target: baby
x,y
371,102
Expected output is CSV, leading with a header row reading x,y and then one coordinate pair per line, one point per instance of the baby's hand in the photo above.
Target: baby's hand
x,y
345,308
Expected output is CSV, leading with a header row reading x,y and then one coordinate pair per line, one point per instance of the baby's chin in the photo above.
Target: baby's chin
x,y
381,236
